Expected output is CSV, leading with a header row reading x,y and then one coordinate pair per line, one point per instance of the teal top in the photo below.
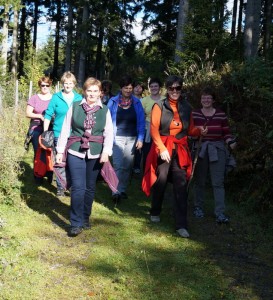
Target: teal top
x,y
58,108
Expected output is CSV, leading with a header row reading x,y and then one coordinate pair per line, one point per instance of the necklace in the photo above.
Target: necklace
x,y
176,122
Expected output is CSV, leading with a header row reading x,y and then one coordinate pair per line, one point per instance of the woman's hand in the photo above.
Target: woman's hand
x,y
139,145
59,158
165,156
203,130
104,158
41,117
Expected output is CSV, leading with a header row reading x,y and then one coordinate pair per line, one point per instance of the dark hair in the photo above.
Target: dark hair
x,y
172,79
125,80
208,91
155,80
137,82
105,83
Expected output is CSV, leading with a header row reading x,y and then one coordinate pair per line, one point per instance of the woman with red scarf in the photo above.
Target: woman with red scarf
x,y
171,123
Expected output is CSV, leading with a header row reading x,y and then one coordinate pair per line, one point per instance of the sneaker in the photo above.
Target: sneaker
x,y
74,231
183,232
222,218
60,193
155,219
198,212
86,225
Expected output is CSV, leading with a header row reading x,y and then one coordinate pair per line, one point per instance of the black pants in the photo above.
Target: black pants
x,y
178,176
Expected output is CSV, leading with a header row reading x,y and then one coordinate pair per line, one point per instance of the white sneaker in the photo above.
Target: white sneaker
x,y
183,232
155,219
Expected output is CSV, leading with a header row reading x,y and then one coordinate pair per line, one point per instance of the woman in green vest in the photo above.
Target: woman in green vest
x,y
87,136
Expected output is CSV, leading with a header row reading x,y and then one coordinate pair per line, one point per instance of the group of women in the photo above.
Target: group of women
x,y
87,132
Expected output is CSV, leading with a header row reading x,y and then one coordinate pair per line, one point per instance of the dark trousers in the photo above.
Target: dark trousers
x,y
145,151
84,173
178,176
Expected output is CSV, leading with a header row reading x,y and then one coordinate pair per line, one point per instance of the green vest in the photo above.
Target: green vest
x,y
184,111
77,127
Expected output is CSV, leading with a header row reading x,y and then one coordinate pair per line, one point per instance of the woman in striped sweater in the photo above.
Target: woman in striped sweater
x,y
212,156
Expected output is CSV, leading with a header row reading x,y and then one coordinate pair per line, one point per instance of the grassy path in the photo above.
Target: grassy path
x,y
123,256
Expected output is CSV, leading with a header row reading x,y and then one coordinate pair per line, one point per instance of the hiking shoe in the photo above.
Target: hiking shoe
x,y
155,219
116,198
60,193
198,212
183,232
74,231
86,225
222,218
123,195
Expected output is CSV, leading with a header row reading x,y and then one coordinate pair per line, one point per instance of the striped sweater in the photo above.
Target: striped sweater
x,y
218,128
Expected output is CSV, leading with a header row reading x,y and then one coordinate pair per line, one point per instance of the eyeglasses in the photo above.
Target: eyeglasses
x,y
177,88
44,85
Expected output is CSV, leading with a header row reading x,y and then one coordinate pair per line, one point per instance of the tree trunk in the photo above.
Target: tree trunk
x,y
252,28
81,74
267,27
99,52
68,48
180,32
14,63
240,17
4,52
35,23
22,39
57,41
234,18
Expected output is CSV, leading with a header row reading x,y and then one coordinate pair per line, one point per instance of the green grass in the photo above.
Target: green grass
x,y
124,256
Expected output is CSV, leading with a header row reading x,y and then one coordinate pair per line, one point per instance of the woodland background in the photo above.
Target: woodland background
x,y
202,41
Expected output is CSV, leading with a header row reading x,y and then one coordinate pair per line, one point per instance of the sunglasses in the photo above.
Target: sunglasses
x,y
44,85
177,88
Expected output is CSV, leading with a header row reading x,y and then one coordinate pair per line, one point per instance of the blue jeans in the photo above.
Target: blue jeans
x,y
123,158
84,173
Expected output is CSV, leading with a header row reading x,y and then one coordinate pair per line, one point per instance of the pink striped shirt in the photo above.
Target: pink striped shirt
x,y
217,124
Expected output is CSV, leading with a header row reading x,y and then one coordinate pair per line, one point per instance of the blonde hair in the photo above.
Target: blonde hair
x,y
91,81
68,75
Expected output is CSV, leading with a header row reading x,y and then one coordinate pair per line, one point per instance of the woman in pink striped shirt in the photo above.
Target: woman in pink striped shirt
x,y
212,156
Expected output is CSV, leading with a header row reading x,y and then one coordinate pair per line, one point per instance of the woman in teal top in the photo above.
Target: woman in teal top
x,y
57,109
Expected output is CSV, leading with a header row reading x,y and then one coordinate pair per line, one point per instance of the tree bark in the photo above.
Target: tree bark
x,y
81,74
57,41
234,18
4,52
240,17
14,63
35,23
68,48
252,28
180,32
22,38
267,27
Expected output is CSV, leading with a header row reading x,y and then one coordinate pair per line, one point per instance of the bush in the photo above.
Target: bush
x,y
13,126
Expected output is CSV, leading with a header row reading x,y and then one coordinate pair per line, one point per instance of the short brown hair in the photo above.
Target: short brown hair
x,y
208,91
45,79
91,81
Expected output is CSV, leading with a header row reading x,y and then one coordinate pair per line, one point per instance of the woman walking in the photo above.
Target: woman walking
x,y
87,136
129,125
213,155
171,123
57,109
36,106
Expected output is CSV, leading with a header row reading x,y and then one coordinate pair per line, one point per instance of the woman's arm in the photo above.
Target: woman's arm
x,y
30,114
